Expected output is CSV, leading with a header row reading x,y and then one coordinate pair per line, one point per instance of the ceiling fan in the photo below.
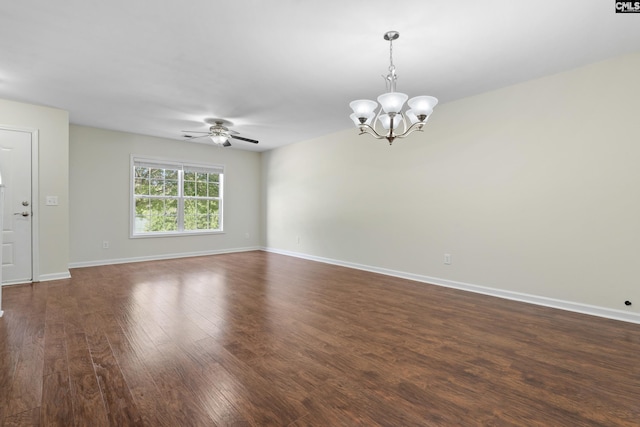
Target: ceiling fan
x,y
219,133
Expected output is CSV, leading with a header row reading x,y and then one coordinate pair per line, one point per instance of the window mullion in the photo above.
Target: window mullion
x,y
181,200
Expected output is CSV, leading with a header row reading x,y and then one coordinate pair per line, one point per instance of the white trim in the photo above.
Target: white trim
x,y
174,234
1,228
159,257
500,293
35,205
35,200
16,282
55,276
43,278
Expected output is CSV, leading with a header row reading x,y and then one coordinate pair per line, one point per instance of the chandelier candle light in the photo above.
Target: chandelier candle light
x,y
365,117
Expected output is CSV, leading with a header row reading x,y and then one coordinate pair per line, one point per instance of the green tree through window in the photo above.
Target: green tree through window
x,y
170,198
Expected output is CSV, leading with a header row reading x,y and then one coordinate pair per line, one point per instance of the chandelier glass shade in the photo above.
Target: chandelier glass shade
x,y
384,123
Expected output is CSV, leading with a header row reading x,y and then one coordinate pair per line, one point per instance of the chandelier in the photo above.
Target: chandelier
x,y
385,125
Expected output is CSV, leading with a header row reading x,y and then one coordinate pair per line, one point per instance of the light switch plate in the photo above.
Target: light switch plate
x,y
51,201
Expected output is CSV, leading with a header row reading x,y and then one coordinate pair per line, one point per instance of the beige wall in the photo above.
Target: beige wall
x,y
100,197
533,189
53,221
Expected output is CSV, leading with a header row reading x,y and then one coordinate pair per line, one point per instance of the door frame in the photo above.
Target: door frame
x,y
35,199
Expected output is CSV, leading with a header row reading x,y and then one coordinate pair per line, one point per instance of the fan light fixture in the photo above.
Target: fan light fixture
x,y
219,138
366,119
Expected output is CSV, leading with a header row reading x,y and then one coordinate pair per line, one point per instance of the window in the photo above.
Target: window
x,y
170,198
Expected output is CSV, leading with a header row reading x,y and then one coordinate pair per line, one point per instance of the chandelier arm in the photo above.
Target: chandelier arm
x,y
404,122
364,128
418,126
375,121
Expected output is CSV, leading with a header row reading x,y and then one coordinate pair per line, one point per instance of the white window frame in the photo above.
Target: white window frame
x,y
181,166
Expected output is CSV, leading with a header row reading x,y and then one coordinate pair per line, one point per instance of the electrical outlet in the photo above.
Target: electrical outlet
x,y
105,244
447,259
247,235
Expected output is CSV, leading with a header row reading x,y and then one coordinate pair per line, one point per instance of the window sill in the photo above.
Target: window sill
x,y
174,234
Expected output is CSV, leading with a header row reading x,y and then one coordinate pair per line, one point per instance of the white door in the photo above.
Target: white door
x,y
15,163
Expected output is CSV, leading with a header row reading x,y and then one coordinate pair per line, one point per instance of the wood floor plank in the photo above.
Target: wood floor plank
x,y
57,405
255,339
178,385
12,332
255,397
30,418
88,403
120,407
25,393
130,351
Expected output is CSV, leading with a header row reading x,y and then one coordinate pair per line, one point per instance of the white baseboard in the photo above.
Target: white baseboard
x,y
500,293
42,278
159,257
53,276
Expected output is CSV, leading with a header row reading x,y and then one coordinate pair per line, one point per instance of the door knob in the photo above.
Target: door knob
x,y
25,203
25,213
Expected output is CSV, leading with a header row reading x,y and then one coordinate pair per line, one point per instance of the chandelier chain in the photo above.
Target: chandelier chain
x,y
391,66
390,79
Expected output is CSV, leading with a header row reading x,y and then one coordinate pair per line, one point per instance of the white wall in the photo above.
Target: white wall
x,y
52,221
533,189
100,197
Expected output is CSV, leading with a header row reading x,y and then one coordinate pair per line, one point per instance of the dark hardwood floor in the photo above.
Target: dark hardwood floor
x,y
259,339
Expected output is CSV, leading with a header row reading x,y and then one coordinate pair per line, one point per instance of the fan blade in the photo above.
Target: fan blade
x,y
194,131
189,137
226,144
244,139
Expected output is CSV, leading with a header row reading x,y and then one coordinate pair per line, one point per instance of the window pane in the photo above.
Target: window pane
x,y
200,176
201,214
157,207
156,188
189,188
141,186
190,213
189,207
190,222
156,215
141,172
215,223
171,188
142,207
141,224
157,173
203,222
170,223
203,207
201,189
189,176
214,190
156,223
214,177
171,207
171,174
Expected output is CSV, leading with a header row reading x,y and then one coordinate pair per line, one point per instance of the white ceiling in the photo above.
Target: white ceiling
x,y
284,71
